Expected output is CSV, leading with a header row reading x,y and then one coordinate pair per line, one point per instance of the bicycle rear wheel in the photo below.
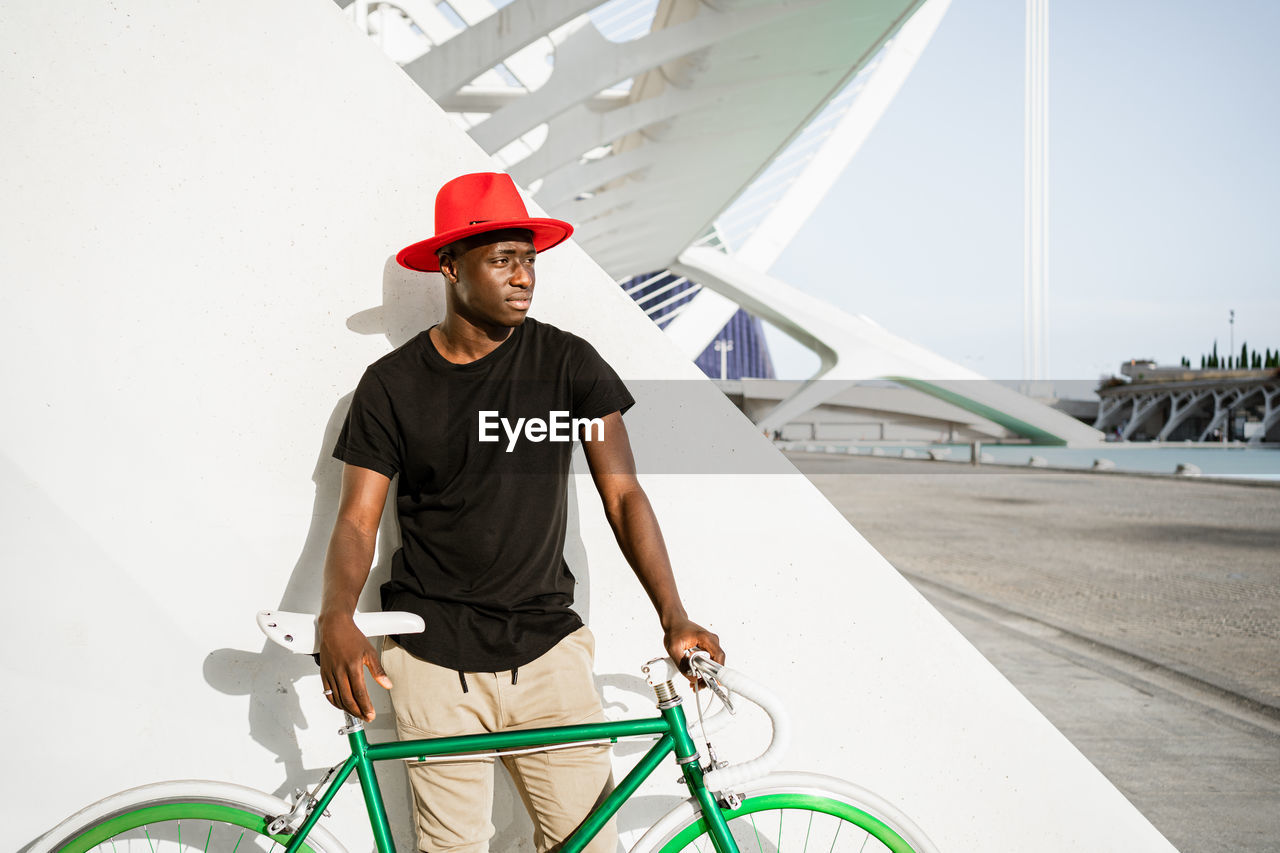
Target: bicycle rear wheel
x,y
796,813
180,817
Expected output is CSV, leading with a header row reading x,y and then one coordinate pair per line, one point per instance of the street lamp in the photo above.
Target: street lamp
x,y
1231,322
724,348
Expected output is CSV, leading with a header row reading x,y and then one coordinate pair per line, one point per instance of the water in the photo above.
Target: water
x,y
1254,463
1247,462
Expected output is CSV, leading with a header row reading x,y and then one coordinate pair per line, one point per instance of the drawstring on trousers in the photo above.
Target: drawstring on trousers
x,y
462,678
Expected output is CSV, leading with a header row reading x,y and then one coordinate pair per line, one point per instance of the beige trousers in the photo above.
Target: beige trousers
x,y
455,799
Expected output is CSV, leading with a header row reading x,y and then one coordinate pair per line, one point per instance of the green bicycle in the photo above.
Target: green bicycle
x,y
731,809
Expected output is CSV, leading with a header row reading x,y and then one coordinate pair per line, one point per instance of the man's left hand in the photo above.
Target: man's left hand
x,y
684,635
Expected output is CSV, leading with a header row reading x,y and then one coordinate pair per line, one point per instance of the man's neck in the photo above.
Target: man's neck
x,y
462,342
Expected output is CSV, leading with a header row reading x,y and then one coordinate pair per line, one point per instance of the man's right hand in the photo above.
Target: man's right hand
x,y
344,654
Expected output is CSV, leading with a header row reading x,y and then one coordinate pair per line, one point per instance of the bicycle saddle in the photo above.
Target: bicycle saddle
x,y
297,631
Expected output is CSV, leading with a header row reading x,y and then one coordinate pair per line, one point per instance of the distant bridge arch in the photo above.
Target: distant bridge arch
x,y
1192,408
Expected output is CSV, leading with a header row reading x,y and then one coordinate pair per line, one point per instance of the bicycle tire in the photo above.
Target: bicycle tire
x,y
795,813
179,816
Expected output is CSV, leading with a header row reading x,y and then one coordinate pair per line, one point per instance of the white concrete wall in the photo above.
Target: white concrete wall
x,y
200,206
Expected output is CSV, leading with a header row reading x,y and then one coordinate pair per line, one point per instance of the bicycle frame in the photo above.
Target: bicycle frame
x,y
671,727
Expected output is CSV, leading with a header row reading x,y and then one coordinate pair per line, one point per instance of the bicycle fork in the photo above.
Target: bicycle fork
x,y
690,765
671,706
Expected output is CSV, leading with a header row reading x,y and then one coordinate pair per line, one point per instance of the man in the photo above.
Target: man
x,y
477,416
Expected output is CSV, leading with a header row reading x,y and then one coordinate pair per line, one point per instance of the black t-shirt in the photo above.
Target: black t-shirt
x,y
482,450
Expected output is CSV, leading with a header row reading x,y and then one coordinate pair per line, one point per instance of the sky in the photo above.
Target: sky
x,y
1164,191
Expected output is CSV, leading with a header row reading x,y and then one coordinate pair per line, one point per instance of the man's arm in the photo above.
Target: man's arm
x,y
613,468
344,650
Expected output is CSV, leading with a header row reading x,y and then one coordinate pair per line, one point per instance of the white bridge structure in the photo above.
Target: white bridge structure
x,y
695,138
1192,405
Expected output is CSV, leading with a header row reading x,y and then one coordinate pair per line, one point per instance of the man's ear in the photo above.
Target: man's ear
x,y
447,268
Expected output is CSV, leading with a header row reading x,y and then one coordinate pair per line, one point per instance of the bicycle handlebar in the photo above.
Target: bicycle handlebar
x,y
724,778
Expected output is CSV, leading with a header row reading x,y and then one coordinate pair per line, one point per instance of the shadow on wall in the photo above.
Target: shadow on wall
x,y
411,302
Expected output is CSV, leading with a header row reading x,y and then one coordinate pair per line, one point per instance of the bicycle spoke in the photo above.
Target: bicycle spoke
x,y
146,831
780,814
807,832
759,846
208,838
834,837
864,843
238,840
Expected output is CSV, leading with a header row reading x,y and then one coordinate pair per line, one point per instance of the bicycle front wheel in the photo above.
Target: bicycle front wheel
x,y
799,813
172,817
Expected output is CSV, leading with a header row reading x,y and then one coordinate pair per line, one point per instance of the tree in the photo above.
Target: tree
x,y
1244,356
1213,362
1202,361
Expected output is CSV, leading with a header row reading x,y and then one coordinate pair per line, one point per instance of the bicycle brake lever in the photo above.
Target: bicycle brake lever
x,y
721,694
706,673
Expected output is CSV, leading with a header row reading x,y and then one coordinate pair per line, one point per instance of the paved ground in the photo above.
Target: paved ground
x,y
1141,615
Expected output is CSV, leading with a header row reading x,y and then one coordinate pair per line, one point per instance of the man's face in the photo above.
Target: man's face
x,y
491,277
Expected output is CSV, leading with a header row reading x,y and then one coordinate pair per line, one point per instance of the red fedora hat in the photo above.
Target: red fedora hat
x,y
474,203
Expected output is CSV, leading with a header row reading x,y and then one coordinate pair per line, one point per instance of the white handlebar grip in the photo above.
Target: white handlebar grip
x,y
734,775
